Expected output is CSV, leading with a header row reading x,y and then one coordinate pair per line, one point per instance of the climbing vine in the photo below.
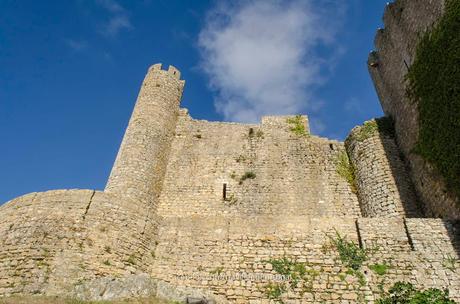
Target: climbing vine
x,y
346,170
300,275
403,292
434,84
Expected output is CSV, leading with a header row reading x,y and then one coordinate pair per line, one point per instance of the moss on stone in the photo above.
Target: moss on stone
x,y
380,269
346,170
297,125
247,175
383,125
434,84
404,292
351,255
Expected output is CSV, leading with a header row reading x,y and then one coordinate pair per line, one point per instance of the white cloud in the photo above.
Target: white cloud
x,y
354,106
118,21
111,6
317,126
116,24
76,45
261,56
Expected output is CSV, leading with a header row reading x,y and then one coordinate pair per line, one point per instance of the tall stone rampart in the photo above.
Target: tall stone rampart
x,y
395,48
291,174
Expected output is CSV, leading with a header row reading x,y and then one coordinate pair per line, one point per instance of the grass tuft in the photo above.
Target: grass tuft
x,y
297,126
346,170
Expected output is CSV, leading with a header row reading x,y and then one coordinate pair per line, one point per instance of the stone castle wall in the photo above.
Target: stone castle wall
x,y
294,175
292,207
193,206
224,255
405,21
52,241
229,256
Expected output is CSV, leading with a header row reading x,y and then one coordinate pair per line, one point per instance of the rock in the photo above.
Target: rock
x,y
109,288
191,300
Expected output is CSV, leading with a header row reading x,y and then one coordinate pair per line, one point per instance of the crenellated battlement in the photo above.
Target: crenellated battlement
x,y
171,71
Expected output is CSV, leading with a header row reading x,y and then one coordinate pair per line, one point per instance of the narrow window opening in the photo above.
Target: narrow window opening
x,y
405,63
331,146
224,192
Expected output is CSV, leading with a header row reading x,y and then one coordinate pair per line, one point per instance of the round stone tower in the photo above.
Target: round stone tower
x,y
384,187
141,161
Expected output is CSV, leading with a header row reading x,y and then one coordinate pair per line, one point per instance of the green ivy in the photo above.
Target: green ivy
x,y
351,255
300,275
283,266
274,291
383,125
406,293
434,84
298,126
346,170
247,175
380,269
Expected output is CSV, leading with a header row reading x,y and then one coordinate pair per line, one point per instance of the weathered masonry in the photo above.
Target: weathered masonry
x,y
194,208
395,51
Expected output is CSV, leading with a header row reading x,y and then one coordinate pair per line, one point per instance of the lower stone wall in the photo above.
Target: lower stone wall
x,y
438,243
51,242
435,237
230,256
84,243
424,252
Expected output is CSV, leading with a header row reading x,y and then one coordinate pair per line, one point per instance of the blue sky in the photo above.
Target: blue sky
x,y
70,72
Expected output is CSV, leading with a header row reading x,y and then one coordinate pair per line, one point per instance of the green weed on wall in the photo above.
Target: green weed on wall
x,y
434,84
403,292
383,125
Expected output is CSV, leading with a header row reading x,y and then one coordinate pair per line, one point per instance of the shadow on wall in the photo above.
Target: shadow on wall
x,y
411,204
453,229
